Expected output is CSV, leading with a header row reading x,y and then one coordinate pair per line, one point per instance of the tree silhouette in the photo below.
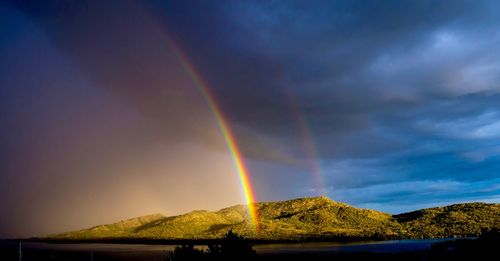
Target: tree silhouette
x,y
185,252
232,247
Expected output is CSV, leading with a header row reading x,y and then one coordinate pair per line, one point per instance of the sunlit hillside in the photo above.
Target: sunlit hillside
x,y
456,220
301,219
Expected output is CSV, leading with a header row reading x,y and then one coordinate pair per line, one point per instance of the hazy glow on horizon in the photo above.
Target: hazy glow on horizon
x,y
98,155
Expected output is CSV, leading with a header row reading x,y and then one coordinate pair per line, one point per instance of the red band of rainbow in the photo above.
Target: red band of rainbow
x,y
224,128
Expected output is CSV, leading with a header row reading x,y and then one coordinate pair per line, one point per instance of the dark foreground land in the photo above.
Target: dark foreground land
x,y
486,247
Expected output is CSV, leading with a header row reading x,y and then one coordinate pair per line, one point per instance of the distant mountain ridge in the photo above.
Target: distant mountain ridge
x,y
301,219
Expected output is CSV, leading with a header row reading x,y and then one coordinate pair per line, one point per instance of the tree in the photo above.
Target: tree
x,y
184,253
232,247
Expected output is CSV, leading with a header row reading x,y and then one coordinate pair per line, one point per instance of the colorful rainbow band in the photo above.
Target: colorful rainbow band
x,y
224,129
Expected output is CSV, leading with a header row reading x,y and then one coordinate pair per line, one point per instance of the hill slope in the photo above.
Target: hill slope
x,y
305,218
450,221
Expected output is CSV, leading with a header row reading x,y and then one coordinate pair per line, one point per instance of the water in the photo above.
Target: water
x,y
158,252
389,246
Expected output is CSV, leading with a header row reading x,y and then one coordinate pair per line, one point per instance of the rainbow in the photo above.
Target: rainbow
x,y
224,128
308,144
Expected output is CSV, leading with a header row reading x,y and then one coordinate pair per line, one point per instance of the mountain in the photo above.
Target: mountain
x,y
305,218
455,220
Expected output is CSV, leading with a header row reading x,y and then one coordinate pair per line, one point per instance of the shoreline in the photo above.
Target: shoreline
x,y
125,241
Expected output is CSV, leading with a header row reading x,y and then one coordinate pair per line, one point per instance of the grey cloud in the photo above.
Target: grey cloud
x,y
392,93
354,68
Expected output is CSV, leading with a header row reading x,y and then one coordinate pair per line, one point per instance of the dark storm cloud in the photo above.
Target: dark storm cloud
x,y
400,97
354,66
95,111
118,48
394,92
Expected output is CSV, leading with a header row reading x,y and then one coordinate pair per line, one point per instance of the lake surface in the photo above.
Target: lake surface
x,y
389,246
158,252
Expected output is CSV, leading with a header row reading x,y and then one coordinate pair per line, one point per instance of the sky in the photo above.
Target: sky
x,y
391,105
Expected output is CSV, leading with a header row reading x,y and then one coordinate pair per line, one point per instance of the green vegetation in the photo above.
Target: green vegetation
x,y
460,220
322,218
302,219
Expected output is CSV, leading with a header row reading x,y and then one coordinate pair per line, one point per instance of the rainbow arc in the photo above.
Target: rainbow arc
x,y
225,130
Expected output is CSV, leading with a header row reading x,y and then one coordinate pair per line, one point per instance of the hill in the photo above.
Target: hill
x,y
459,220
303,219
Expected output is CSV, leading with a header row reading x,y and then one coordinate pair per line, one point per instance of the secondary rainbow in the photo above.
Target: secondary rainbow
x,y
308,144
224,128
